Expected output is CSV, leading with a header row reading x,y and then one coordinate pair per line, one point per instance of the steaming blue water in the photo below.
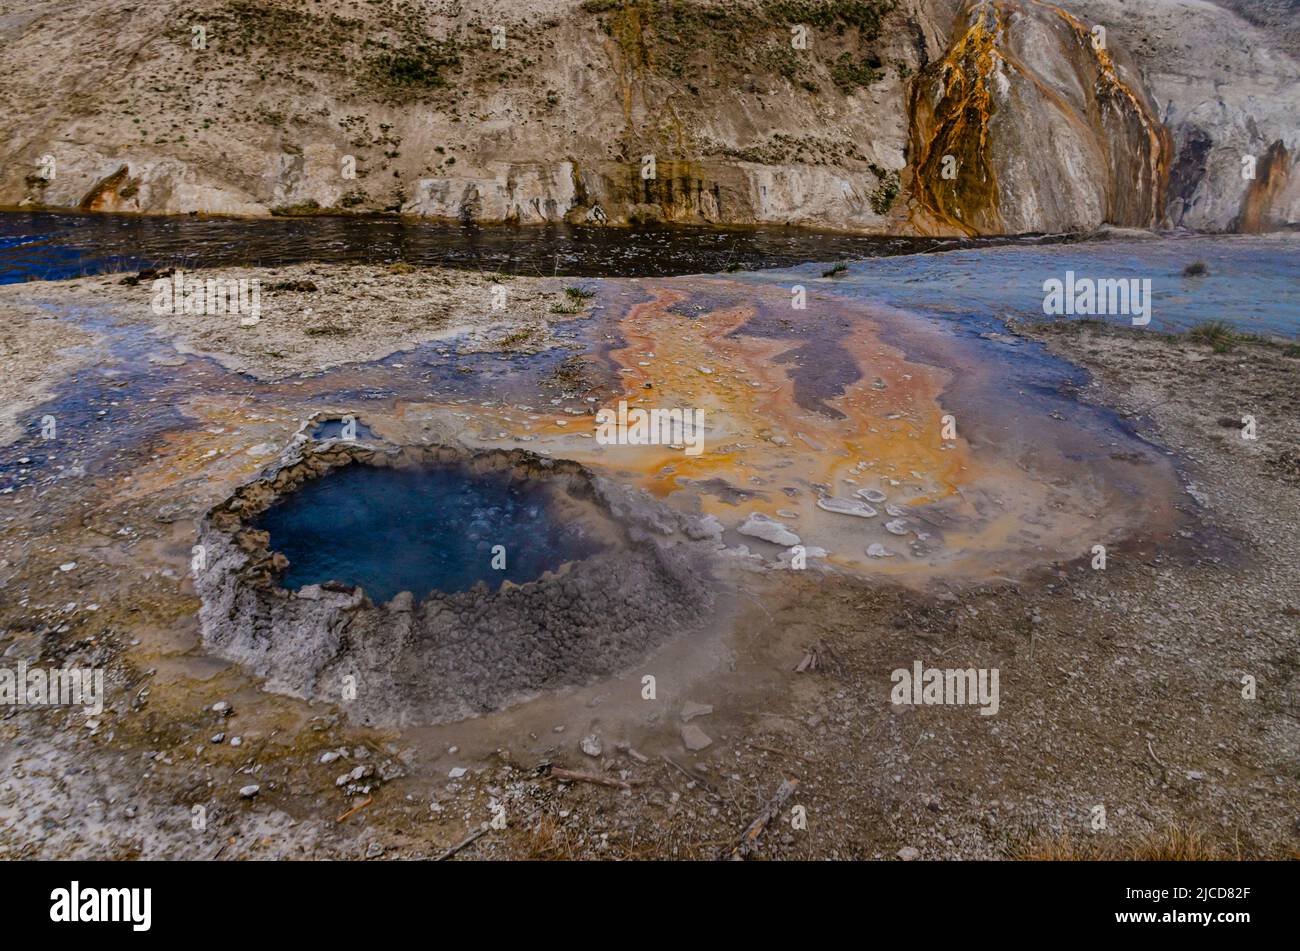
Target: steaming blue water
x,y
417,530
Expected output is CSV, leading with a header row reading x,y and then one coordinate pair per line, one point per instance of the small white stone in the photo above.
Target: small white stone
x,y
761,526
840,506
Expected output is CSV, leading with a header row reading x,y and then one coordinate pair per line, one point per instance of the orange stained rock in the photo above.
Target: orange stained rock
x,y
758,437
826,407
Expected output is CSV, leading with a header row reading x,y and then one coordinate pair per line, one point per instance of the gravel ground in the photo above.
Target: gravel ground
x,y
311,317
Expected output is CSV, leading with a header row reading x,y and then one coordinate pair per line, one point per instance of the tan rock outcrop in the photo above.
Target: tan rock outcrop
x,y
828,113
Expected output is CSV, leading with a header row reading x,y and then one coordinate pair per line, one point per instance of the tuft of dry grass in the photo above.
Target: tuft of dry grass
x,y
1175,843
546,841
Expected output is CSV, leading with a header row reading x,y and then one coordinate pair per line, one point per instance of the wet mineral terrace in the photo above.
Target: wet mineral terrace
x,y
970,449
930,447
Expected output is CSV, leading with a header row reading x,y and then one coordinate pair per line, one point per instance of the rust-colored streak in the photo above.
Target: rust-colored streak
x,y
105,190
953,103
958,126
1129,107
1271,177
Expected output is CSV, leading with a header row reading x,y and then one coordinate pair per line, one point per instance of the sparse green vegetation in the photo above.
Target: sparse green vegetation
x,y
1196,269
419,65
836,270
1214,333
849,71
302,209
519,338
863,15
688,37
882,199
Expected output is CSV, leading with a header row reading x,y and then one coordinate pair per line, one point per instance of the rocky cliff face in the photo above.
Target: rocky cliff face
x,y
1228,91
1030,122
929,116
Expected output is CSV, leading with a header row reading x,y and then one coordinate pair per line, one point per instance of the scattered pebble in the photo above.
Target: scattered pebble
x,y
695,739
840,506
691,710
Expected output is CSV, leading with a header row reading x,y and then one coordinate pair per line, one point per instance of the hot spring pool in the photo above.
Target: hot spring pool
x,y
422,529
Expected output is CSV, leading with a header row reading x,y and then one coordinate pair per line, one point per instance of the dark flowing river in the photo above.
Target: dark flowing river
x,y
53,246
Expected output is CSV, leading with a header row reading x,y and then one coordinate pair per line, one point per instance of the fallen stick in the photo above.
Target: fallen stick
x,y
773,749
770,812
1154,757
1164,770
462,843
691,776
355,809
571,776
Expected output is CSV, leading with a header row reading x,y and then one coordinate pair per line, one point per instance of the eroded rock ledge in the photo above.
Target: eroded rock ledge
x,y
898,114
451,655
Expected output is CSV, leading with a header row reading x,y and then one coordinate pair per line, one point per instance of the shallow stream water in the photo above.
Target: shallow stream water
x,y
56,245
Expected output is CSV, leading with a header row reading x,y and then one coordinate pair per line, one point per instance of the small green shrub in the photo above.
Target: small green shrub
x,y
1214,333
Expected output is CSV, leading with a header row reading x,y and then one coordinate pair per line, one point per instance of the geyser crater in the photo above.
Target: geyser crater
x,y
597,576
445,527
